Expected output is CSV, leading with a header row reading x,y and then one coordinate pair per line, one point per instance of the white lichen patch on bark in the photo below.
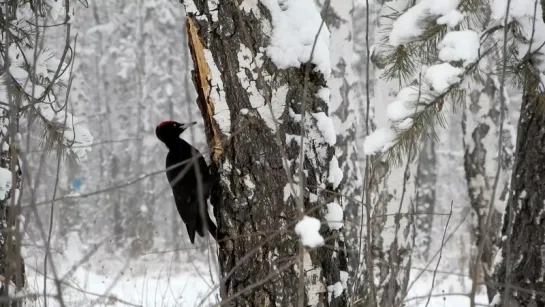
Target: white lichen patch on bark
x,y
213,9
249,66
313,280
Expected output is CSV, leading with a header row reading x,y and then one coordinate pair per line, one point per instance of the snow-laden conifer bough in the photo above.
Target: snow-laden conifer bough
x,y
412,100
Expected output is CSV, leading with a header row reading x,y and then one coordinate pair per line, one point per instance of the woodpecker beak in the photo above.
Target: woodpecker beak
x,y
187,125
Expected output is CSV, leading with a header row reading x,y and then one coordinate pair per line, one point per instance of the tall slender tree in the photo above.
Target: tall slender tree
x,y
520,266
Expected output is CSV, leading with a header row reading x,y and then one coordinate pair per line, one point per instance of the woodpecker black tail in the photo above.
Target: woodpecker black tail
x,y
186,167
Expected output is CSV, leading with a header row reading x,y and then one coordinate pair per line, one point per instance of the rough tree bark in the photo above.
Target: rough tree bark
x,y
251,111
520,273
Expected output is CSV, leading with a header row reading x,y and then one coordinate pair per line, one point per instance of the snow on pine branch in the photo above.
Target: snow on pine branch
x,y
530,38
36,77
411,24
411,101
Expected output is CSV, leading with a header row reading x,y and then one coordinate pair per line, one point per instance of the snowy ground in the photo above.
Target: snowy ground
x,y
161,280
448,290
157,280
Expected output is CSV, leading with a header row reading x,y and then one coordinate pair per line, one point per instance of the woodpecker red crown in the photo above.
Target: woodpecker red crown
x,y
165,123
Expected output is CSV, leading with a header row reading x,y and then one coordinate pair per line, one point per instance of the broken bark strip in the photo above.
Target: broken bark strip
x,y
201,75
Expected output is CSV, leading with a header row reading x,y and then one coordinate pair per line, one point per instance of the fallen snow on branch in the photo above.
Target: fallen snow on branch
x,y
442,76
528,15
412,100
411,24
308,230
460,46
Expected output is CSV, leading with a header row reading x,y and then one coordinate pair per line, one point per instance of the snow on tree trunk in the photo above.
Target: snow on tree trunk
x,y
250,77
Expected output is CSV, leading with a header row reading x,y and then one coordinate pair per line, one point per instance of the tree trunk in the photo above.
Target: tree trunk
x,y
12,268
344,110
252,111
363,34
520,273
481,132
425,198
390,189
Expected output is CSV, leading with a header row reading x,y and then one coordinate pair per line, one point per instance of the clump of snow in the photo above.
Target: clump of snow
x,y
441,76
451,19
344,279
411,24
460,46
406,103
335,173
296,117
380,140
334,216
326,127
441,7
496,300
308,230
336,290
295,25
408,26
324,93
5,182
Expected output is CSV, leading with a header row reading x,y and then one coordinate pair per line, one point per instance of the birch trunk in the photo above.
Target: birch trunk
x,y
251,110
344,111
480,124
